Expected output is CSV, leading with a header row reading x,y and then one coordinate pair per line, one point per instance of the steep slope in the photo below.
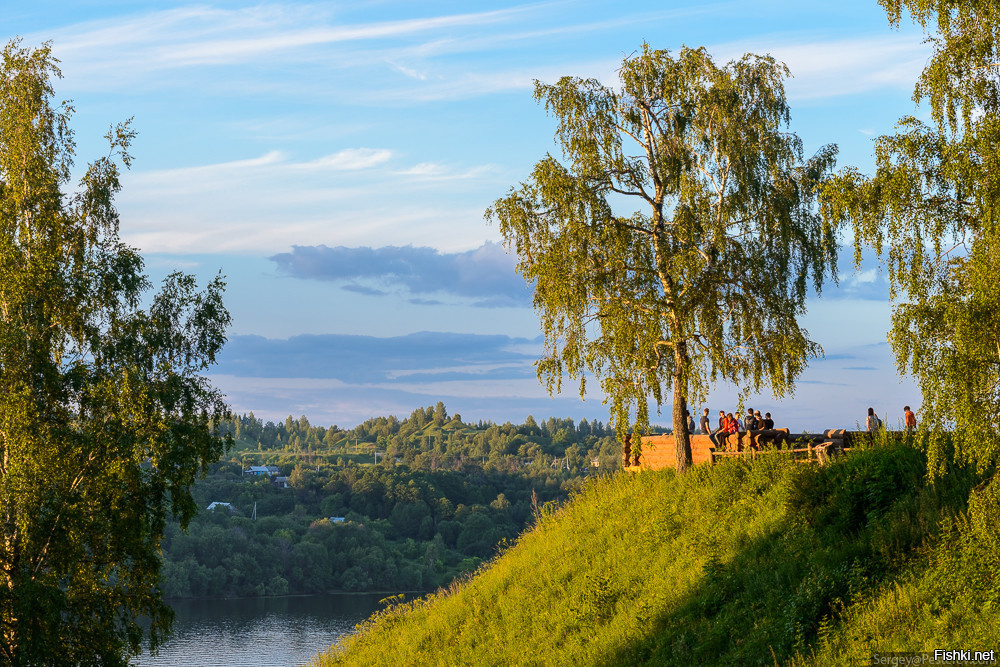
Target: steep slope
x,y
740,563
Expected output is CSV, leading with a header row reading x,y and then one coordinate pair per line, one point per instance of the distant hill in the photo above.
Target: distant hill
x,y
741,563
318,514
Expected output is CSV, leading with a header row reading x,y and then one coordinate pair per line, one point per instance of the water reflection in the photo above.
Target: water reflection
x,y
259,631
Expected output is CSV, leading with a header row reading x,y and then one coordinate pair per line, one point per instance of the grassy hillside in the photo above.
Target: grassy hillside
x,y
738,563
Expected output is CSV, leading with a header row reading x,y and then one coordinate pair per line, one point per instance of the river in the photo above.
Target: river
x,y
269,632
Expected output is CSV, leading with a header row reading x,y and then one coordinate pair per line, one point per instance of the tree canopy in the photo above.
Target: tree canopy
x,y
706,280
104,419
931,210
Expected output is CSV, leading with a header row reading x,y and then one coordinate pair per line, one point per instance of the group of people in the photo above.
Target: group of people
x,y
873,423
753,421
730,424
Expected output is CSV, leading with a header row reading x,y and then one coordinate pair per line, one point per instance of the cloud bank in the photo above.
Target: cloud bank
x,y
485,275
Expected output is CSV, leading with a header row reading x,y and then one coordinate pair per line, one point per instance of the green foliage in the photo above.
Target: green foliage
x,y
951,596
104,419
409,526
763,562
707,279
931,210
845,499
418,443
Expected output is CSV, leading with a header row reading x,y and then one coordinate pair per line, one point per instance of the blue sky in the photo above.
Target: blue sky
x,y
334,160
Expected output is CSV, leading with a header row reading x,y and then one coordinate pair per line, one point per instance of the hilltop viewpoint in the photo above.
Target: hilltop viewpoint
x,y
767,561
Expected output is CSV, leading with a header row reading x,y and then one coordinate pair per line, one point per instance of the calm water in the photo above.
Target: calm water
x,y
259,631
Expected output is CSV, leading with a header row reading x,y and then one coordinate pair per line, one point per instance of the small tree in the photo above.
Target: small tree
x,y
708,279
104,420
931,211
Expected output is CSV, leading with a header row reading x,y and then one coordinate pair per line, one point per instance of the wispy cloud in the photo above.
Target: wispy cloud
x,y
203,36
271,165
437,54
352,196
443,172
349,159
824,68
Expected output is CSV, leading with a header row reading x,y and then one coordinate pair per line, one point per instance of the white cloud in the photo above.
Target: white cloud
x,y
349,159
833,68
408,71
424,169
139,47
210,172
865,277
350,197
442,172
212,177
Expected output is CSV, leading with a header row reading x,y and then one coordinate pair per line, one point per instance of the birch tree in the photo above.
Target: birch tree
x,y
104,418
931,211
674,244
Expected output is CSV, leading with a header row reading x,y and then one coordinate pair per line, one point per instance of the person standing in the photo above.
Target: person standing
x,y
873,423
706,428
909,419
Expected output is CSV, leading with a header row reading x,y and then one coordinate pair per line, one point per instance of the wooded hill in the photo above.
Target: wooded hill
x,y
442,497
745,562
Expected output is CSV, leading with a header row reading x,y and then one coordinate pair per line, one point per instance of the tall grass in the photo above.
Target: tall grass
x,y
739,563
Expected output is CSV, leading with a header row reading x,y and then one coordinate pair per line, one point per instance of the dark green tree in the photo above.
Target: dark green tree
x,y
104,420
707,280
931,211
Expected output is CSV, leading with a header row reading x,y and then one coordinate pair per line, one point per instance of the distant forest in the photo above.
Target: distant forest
x,y
443,496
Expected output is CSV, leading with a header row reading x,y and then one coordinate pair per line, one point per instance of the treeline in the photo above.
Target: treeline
x,y
442,497
426,431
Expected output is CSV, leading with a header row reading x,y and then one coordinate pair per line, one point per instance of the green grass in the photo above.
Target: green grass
x,y
739,563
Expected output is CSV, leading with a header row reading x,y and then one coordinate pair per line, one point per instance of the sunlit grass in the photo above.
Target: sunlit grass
x,y
740,563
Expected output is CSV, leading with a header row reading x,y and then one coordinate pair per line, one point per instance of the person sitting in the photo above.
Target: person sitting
x,y
767,424
730,432
750,421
